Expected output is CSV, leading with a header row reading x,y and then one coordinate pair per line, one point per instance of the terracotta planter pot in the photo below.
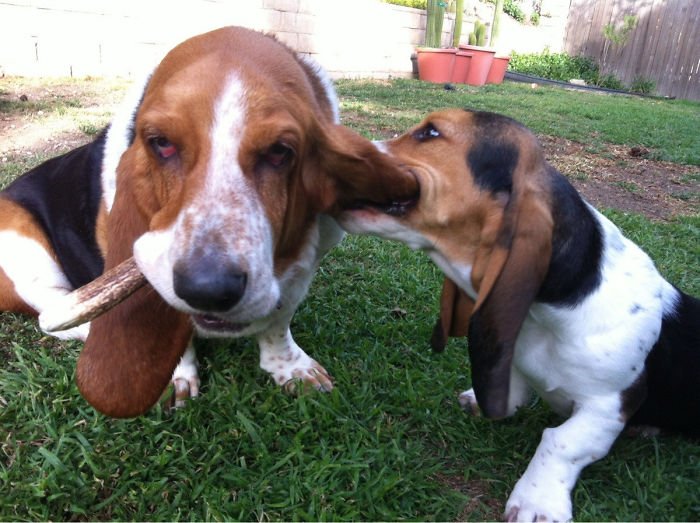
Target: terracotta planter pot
x,y
480,64
462,61
498,69
435,65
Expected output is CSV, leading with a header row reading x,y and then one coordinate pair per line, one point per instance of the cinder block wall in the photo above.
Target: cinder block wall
x,y
358,38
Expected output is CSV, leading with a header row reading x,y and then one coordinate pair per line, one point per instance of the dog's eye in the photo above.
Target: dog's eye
x,y
278,155
163,147
426,133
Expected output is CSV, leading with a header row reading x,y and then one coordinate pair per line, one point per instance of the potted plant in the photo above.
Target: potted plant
x,y
482,56
500,63
498,69
462,57
435,64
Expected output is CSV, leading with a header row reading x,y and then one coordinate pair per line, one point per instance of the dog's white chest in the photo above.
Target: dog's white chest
x,y
599,345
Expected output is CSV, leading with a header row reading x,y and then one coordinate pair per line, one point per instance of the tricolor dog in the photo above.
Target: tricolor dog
x,y
551,295
214,175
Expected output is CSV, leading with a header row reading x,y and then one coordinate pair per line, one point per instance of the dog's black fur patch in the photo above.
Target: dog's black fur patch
x,y
577,247
492,164
492,160
672,372
577,242
63,195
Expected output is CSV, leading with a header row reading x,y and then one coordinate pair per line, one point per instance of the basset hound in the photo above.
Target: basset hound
x,y
552,298
215,175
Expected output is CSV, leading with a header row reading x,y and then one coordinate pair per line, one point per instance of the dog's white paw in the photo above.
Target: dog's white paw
x,y
305,369
185,378
288,364
467,400
532,502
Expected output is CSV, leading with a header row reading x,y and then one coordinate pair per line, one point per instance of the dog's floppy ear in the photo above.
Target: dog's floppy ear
x,y
132,350
340,166
507,276
351,168
455,312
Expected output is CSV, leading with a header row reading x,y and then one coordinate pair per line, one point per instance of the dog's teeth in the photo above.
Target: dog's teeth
x,y
395,208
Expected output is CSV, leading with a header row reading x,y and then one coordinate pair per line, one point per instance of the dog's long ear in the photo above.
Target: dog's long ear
x,y
132,350
340,166
351,168
507,277
455,312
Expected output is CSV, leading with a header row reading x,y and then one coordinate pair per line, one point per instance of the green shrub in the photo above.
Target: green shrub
x,y
535,18
562,67
417,4
555,66
643,85
609,81
510,7
620,37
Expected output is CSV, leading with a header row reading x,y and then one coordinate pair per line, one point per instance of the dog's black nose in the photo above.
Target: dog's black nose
x,y
207,284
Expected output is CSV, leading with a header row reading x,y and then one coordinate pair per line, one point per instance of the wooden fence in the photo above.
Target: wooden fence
x,y
664,47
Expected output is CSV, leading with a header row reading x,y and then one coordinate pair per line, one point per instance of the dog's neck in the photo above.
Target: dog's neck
x,y
577,246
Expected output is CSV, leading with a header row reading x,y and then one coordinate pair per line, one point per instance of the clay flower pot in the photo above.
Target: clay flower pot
x,y
462,61
480,64
435,65
498,69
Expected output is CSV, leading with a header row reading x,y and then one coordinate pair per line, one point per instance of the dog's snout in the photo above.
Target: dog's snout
x,y
209,285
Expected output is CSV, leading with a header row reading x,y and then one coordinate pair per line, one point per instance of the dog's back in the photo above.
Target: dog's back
x,y
63,196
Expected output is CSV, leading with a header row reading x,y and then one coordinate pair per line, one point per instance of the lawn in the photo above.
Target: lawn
x,y
390,441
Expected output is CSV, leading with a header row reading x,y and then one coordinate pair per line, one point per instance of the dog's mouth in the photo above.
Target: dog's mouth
x,y
394,207
209,323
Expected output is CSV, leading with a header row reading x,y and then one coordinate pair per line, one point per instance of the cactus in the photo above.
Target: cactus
x,y
496,22
433,27
478,37
481,34
459,14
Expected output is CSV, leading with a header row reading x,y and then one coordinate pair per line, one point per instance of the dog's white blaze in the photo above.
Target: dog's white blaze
x,y
226,215
237,212
381,147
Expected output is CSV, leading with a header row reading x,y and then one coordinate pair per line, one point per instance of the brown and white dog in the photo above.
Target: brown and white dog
x,y
214,175
553,298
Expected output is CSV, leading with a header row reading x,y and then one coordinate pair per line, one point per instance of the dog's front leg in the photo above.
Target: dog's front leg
x,y
185,378
543,493
285,360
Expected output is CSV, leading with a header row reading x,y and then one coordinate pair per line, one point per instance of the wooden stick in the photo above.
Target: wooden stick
x,y
92,299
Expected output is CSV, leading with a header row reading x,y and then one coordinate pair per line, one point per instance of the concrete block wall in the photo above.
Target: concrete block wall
x,y
358,38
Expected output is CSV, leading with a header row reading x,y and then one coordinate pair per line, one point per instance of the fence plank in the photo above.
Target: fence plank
x,y
690,52
664,47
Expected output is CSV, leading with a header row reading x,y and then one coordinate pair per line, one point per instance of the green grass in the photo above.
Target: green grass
x,y
668,128
389,443
13,166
